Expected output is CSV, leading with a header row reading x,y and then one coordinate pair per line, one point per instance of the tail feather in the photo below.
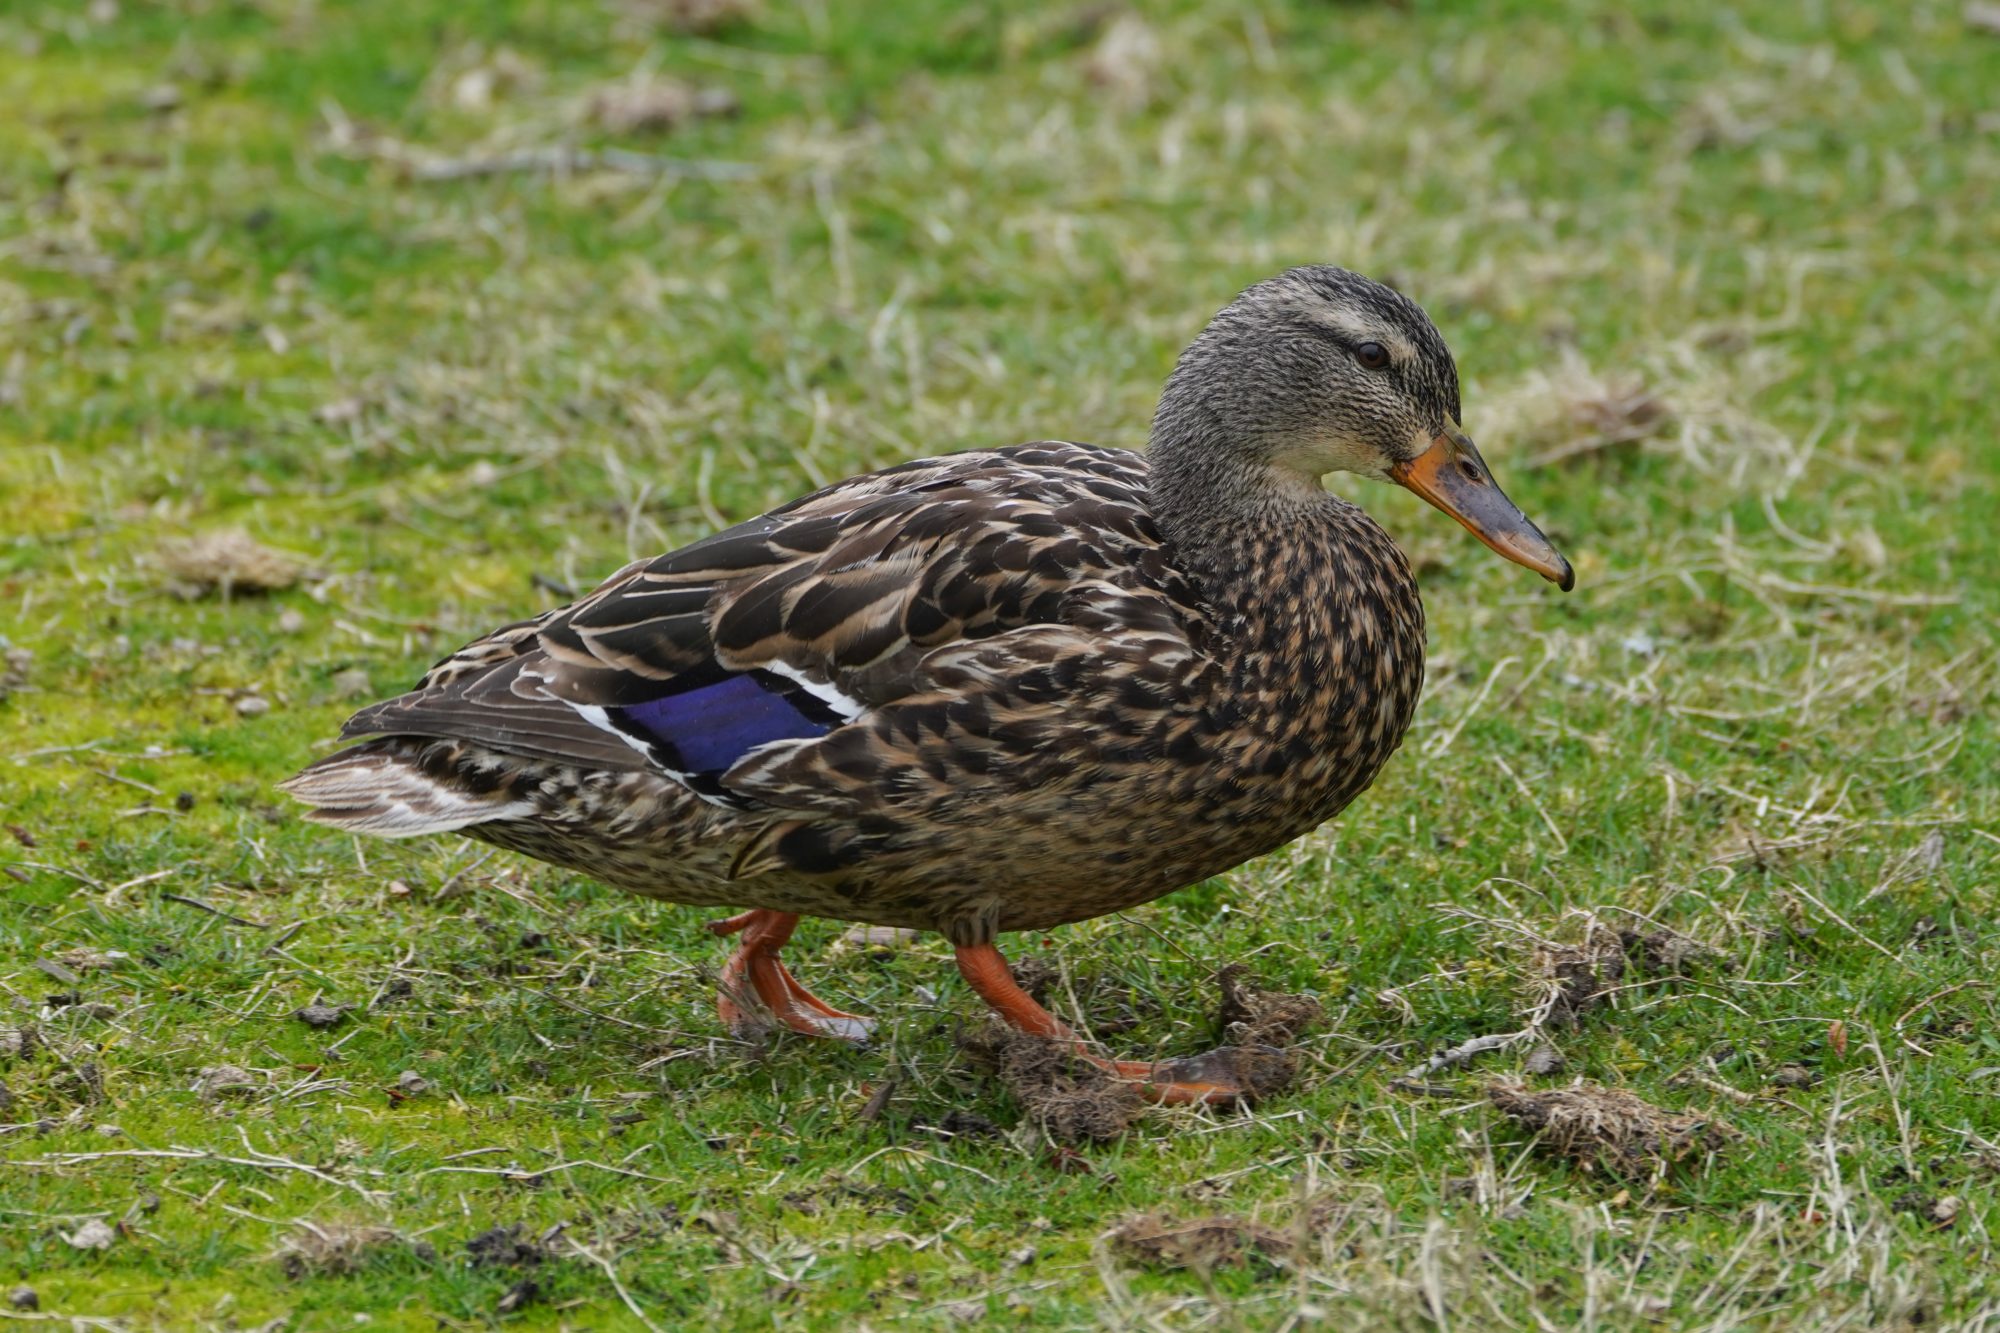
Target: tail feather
x,y
395,789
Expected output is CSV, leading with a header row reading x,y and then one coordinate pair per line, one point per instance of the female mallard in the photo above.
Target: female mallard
x,y
1000,690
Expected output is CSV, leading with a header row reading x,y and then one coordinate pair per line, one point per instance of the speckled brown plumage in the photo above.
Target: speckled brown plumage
x,y
1065,716
991,691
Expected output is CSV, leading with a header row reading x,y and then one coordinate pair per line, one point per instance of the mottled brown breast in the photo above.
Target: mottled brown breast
x,y
1324,664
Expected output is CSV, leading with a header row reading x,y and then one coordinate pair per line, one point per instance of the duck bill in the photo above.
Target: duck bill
x,y
1451,475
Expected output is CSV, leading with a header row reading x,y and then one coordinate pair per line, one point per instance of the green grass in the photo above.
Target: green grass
x,y
1762,237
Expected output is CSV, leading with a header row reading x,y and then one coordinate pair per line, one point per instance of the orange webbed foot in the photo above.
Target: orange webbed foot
x,y
754,979
1226,1076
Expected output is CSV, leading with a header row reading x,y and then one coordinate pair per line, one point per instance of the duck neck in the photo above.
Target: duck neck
x,y
1212,498
1317,606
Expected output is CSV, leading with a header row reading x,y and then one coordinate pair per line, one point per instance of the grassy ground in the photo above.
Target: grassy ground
x,y
1721,280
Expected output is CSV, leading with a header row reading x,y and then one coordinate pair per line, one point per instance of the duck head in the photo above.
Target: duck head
x,y
1321,370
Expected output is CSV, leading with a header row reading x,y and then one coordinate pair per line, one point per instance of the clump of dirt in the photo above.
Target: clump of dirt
x,y
504,1247
219,1081
1076,1101
1662,952
1064,1094
1581,974
330,1249
322,1016
1575,979
1203,1244
1608,1128
1249,1016
228,561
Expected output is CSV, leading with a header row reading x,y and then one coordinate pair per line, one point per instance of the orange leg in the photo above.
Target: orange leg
x,y
1209,1078
753,976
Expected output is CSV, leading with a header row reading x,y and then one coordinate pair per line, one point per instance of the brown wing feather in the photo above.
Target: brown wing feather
x,y
938,597
1035,708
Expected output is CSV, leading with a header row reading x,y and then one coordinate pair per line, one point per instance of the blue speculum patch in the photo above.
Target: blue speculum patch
x,y
709,728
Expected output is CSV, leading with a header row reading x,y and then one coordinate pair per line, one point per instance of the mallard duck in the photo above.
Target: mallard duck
x,y
986,692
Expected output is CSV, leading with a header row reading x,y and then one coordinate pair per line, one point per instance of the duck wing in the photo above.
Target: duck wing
x,y
800,659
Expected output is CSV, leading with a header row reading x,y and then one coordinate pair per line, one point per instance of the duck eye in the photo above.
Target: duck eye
x,y
1372,355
